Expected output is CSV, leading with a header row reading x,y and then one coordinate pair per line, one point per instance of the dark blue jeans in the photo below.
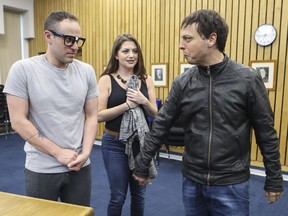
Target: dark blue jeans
x,y
215,200
120,177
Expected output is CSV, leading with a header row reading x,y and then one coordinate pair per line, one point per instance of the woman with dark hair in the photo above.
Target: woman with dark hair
x,y
114,100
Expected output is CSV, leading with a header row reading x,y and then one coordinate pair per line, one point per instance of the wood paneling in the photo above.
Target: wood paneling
x,y
156,25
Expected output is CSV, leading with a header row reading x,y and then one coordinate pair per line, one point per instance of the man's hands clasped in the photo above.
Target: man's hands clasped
x,y
71,159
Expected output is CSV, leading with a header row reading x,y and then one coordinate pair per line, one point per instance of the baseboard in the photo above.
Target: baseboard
x,y
4,133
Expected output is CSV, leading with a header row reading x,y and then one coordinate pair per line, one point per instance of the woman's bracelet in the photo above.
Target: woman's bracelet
x,y
127,105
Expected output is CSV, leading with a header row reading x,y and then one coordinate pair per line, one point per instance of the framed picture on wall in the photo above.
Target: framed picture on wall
x,y
267,70
159,74
185,67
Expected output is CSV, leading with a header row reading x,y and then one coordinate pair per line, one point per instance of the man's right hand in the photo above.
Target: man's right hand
x,y
66,156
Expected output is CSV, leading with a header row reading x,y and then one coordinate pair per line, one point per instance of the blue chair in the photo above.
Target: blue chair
x,y
151,119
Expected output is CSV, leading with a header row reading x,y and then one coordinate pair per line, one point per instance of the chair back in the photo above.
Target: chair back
x,y
4,113
176,134
3,103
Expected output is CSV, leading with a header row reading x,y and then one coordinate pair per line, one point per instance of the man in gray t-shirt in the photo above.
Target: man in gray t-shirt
x,y
52,101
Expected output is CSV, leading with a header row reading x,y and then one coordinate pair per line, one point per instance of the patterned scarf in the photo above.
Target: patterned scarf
x,y
133,129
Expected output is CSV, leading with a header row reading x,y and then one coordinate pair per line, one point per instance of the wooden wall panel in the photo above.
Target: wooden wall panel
x,y
281,100
156,25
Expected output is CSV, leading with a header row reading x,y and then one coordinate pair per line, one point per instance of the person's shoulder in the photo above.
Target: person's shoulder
x,y
186,75
247,74
149,79
192,69
27,62
83,66
104,82
241,68
105,78
79,63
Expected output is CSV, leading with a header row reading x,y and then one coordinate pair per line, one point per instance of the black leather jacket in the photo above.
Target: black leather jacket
x,y
220,105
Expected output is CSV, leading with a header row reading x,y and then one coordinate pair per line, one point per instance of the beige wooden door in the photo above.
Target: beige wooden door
x,y
10,43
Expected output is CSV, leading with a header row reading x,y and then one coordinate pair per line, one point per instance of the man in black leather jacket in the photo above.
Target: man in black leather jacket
x,y
221,101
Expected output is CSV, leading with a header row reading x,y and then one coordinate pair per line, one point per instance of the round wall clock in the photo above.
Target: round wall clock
x,y
265,35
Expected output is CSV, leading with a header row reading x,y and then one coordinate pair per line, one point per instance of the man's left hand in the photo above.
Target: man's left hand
x,y
273,196
142,181
78,163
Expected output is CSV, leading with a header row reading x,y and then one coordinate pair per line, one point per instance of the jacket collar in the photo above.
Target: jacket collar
x,y
213,69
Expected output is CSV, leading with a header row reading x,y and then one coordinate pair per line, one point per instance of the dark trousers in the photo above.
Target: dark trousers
x,y
70,187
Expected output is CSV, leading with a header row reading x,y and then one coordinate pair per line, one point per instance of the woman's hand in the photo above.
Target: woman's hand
x,y
136,97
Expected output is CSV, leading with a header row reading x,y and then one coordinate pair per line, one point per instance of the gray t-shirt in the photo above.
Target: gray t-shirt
x,y
56,105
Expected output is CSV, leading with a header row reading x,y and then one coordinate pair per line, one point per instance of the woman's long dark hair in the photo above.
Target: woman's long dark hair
x,y
113,64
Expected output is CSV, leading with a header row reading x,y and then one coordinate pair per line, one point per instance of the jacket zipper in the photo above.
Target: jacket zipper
x,y
210,121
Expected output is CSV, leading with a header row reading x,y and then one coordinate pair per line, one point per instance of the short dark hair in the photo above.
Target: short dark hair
x,y
207,22
113,64
56,17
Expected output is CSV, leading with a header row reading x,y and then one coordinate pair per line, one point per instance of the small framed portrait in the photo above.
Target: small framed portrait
x,y
267,70
159,74
185,67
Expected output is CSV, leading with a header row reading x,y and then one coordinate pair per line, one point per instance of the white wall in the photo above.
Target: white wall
x,y
26,10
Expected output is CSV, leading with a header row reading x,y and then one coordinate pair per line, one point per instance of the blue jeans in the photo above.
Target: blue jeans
x,y
119,177
207,200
